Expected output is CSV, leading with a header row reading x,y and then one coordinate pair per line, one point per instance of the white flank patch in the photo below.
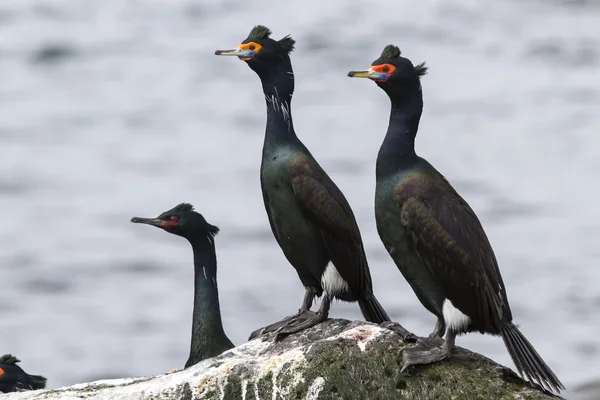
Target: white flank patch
x,y
315,389
332,281
453,317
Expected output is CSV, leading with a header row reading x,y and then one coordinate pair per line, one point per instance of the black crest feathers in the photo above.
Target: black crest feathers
x,y
391,51
287,43
421,69
9,359
259,32
183,207
212,229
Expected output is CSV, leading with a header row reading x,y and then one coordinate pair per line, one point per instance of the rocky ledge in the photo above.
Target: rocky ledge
x,y
337,359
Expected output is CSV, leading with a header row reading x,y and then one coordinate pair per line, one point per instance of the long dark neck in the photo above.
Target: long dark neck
x,y
207,327
278,88
398,148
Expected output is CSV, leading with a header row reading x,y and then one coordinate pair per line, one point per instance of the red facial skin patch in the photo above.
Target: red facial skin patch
x,y
171,222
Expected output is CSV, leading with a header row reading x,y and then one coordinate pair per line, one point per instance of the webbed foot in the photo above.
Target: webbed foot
x,y
281,324
395,327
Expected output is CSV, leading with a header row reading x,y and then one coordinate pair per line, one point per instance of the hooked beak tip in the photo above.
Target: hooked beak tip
x,y
148,221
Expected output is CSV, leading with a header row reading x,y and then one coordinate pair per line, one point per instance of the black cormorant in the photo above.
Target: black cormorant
x,y
208,337
434,237
14,379
309,216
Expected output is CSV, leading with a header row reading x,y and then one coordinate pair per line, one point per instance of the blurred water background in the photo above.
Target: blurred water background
x,y
111,109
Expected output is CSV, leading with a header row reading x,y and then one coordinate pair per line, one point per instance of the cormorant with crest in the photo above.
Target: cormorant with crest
x,y
14,379
309,216
208,337
435,238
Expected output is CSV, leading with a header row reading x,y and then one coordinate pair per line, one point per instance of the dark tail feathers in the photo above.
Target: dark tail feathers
x,y
372,310
529,363
36,382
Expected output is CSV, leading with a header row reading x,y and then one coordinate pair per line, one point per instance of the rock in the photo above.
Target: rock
x,y
337,359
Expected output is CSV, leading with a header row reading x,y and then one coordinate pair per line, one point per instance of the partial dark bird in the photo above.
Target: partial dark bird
x,y
14,379
435,238
309,216
208,337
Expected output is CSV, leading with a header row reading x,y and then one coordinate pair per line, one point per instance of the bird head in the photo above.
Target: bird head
x,y
260,51
392,72
181,220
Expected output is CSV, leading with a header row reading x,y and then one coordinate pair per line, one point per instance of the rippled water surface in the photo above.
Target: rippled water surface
x,y
111,109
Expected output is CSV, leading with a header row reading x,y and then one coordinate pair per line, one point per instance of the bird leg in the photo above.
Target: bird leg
x,y
301,324
303,313
438,331
426,352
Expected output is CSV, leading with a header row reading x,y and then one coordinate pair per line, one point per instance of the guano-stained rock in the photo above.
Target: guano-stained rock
x,y
337,359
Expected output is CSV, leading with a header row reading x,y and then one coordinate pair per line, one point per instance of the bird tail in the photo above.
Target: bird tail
x,y
372,310
37,382
529,363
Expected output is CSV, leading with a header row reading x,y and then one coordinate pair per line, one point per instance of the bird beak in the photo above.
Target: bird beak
x,y
149,221
370,74
241,53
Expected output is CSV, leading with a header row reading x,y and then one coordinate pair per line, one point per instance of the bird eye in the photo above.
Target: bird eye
x,y
252,47
173,218
386,69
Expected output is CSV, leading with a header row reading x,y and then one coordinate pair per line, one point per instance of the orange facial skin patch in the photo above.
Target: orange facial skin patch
x,y
1,372
384,69
252,46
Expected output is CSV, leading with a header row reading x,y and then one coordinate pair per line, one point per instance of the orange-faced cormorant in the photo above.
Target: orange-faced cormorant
x,y
14,379
208,337
309,216
434,237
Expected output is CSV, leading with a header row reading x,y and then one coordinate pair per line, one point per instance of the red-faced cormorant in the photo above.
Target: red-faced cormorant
x,y
435,238
14,379
309,216
208,337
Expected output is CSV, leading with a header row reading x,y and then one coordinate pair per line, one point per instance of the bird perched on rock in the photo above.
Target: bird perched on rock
x,y
434,237
208,337
14,379
309,216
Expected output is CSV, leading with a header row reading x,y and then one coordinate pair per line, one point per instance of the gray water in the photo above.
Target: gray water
x,y
112,109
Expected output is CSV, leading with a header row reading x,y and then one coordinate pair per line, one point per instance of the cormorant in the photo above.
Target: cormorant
x,y
208,337
309,216
14,379
434,236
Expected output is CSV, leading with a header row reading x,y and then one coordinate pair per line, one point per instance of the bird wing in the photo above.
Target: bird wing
x,y
449,239
326,208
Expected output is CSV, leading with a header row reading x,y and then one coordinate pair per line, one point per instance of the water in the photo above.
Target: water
x,y
115,109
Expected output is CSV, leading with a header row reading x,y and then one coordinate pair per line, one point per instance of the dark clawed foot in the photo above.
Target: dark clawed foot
x,y
410,338
304,321
424,352
395,327
256,334
431,341
271,328
277,326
